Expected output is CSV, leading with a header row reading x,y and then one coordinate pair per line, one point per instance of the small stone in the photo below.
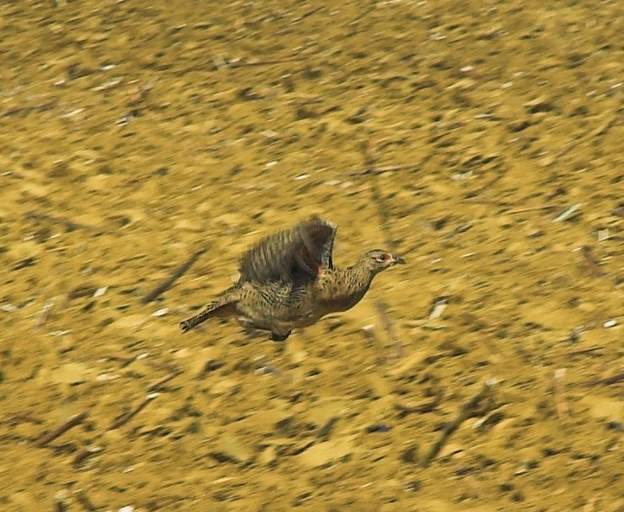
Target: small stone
x,y
303,112
100,291
248,94
618,426
537,105
232,449
518,125
378,427
414,486
312,73
358,117
506,486
410,455
70,373
268,456
517,496
603,234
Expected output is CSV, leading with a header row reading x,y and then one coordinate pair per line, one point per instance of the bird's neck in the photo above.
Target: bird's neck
x,y
359,275
342,288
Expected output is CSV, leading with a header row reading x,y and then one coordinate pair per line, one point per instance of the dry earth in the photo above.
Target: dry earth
x,y
134,134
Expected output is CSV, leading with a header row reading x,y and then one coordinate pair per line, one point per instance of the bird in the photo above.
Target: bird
x,y
288,280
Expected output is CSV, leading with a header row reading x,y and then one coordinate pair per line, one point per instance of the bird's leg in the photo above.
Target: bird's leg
x,y
251,333
250,329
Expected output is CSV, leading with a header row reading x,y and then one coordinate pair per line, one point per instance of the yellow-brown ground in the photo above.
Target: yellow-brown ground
x,y
134,133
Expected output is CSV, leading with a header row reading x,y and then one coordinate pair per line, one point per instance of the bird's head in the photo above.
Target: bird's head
x,y
378,260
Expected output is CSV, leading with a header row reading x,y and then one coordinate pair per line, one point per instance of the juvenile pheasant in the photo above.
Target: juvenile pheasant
x,y
288,280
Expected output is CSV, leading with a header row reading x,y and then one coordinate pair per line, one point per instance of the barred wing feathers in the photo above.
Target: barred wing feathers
x,y
296,254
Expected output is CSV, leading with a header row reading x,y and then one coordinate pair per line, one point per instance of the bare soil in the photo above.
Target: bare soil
x,y
134,134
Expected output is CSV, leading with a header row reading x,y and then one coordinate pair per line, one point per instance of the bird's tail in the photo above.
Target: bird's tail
x,y
223,306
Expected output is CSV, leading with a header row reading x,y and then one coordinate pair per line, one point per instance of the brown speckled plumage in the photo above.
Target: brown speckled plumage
x,y
288,280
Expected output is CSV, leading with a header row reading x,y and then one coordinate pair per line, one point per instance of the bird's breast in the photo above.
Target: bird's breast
x,y
337,294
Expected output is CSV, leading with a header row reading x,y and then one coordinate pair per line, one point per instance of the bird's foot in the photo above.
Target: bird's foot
x,y
279,337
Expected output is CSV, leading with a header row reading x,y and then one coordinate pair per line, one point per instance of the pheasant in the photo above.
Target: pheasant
x,y
288,280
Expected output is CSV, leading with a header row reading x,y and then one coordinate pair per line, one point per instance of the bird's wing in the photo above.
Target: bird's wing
x,y
297,254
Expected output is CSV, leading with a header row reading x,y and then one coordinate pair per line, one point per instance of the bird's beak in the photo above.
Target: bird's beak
x,y
397,260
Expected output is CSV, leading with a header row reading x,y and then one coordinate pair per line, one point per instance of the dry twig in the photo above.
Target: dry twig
x,y
371,336
84,500
382,207
583,351
243,64
45,313
381,170
422,407
531,209
591,262
561,403
84,454
155,385
177,273
75,420
69,224
388,325
59,504
124,418
466,411
614,379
